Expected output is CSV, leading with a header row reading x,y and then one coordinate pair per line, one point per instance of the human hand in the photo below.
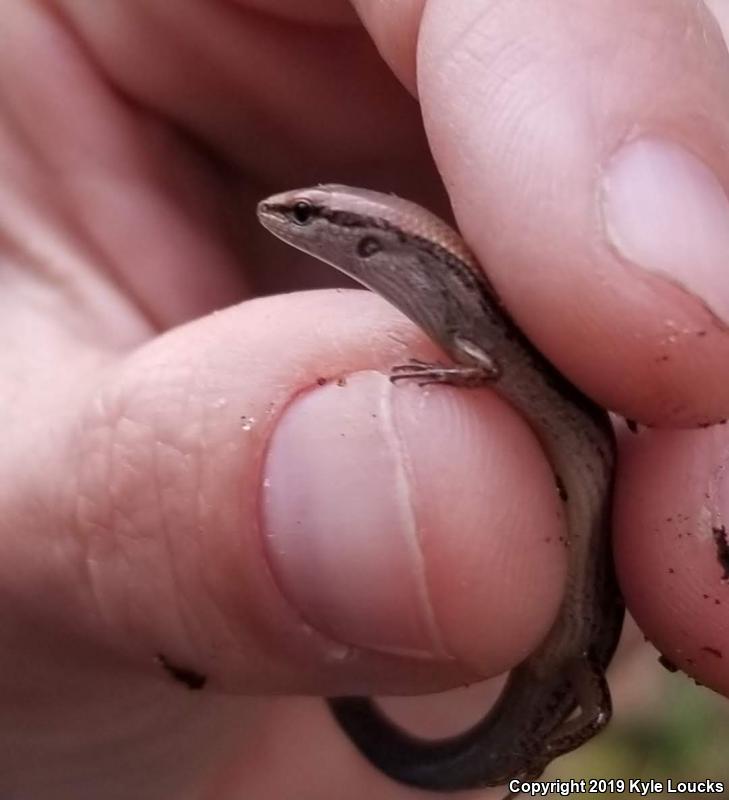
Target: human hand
x,y
145,474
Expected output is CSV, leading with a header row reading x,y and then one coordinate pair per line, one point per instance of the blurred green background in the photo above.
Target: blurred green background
x,y
664,726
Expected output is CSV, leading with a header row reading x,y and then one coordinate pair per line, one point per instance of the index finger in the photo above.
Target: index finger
x,y
583,146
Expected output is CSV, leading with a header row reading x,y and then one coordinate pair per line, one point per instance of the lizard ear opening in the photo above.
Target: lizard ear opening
x,y
367,246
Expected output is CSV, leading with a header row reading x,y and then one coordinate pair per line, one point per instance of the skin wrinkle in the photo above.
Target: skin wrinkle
x,y
465,44
132,438
227,622
521,62
122,523
32,267
42,265
190,473
170,532
155,187
208,582
35,155
55,226
88,524
110,546
94,454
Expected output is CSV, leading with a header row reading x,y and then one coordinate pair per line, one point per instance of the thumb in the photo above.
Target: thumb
x,y
247,501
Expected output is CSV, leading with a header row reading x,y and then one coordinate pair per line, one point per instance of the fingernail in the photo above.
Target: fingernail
x,y
665,211
339,525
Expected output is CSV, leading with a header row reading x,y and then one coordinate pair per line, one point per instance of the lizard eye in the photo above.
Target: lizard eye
x,y
302,212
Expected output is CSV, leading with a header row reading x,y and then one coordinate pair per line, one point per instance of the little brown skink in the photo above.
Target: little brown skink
x,y
558,697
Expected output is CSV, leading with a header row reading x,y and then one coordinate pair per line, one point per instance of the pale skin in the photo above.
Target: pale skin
x,y
134,143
